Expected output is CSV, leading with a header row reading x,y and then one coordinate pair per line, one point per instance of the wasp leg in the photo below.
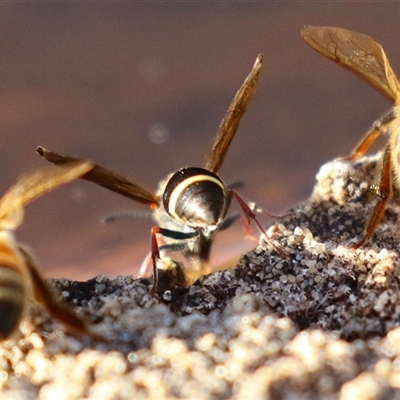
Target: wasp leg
x,y
384,192
256,209
144,271
146,266
155,248
377,129
231,219
251,216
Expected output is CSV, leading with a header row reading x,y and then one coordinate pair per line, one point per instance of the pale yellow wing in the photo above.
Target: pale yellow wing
x,y
33,184
357,52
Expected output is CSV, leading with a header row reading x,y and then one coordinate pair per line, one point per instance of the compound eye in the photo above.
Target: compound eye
x,y
196,197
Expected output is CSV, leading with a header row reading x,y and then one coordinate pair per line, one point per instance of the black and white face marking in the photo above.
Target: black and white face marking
x,y
196,197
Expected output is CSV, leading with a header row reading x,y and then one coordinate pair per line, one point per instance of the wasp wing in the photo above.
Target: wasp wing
x,y
104,177
33,184
43,295
231,120
358,53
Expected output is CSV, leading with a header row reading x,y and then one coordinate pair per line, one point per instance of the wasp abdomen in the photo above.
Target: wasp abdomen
x,y
196,197
12,294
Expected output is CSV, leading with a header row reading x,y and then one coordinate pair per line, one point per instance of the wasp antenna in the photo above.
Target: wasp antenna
x,y
125,214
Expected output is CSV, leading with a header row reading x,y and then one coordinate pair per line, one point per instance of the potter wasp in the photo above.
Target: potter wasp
x,y
190,205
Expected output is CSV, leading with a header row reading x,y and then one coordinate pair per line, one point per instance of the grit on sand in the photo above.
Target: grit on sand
x,y
323,323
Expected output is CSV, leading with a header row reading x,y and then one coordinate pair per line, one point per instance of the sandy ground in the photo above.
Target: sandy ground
x,y
323,323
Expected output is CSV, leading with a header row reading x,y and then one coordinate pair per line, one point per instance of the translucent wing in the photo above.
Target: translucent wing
x,y
231,120
357,52
33,184
104,177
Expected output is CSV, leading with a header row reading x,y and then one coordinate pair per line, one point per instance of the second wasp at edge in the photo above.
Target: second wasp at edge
x,y
363,56
190,205
20,280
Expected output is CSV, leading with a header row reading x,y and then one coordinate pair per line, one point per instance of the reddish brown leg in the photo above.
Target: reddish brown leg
x,y
155,255
250,216
255,208
244,220
384,192
146,267
365,143
147,264
378,128
155,247
273,216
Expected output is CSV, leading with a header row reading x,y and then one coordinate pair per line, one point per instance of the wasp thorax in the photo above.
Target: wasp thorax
x,y
196,197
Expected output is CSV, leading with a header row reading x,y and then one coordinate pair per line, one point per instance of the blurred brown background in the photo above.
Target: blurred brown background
x,y
141,88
